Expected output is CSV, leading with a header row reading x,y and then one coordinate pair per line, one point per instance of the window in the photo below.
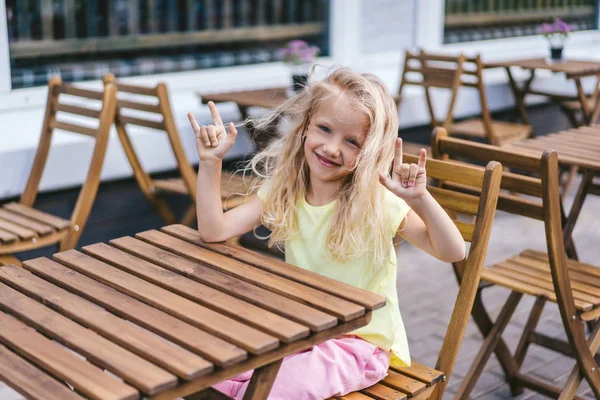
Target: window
x,y
470,20
84,39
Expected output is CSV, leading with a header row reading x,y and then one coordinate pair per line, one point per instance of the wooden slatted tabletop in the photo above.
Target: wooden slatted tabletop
x,y
165,314
575,148
265,98
571,68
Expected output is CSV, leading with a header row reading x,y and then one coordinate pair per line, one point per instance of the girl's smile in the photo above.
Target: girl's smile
x,y
326,162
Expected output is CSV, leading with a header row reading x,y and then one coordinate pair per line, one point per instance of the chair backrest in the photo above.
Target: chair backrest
x,y
548,207
447,72
482,207
152,109
66,103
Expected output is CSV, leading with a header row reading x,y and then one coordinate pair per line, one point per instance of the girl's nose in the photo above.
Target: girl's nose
x,y
332,149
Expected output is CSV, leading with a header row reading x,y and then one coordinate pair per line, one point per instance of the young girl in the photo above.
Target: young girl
x,y
320,198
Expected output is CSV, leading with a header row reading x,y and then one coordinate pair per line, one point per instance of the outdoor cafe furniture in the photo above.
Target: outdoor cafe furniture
x,y
149,107
167,314
533,192
451,73
417,382
578,148
574,70
22,227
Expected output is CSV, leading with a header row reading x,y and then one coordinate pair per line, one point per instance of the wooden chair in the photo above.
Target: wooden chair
x,y
419,381
149,107
22,227
573,285
451,73
572,109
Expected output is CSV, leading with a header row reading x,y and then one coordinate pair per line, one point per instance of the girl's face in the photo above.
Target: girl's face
x,y
334,138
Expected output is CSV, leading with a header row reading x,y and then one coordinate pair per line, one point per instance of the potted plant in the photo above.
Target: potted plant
x,y
556,33
299,55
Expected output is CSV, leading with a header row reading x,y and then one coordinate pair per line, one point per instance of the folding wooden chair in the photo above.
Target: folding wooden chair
x,y
23,227
149,107
573,109
451,73
573,285
419,381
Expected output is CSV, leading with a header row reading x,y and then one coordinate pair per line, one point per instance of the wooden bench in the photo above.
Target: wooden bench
x,y
149,107
419,381
551,276
22,227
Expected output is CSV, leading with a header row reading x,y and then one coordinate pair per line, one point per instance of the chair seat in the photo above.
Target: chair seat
x,y
23,227
414,382
233,188
503,131
575,105
529,273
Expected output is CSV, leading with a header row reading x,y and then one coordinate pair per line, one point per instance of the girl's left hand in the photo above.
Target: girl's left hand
x,y
408,181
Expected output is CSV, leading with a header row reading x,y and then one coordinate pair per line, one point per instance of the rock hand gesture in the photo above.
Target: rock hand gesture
x,y
408,181
212,141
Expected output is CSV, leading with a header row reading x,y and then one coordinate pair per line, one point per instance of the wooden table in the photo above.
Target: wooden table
x,y
264,98
167,314
572,69
576,148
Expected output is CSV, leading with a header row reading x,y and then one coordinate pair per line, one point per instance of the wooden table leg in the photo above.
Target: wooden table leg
x,y
582,191
262,381
520,93
583,100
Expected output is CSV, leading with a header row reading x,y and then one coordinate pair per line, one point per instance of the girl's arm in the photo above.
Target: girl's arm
x,y
426,226
212,143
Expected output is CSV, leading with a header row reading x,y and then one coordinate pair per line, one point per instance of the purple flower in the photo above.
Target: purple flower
x,y
562,26
298,52
546,29
558,28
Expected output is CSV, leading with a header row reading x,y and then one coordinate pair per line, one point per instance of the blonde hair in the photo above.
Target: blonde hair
x,y
360,223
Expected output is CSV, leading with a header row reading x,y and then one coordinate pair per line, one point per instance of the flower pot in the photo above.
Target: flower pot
x,y
556,53
299,82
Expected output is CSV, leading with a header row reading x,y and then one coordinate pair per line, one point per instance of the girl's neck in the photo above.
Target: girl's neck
x,y
322,194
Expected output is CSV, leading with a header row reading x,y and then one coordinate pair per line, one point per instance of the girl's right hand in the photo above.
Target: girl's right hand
x,y
212,141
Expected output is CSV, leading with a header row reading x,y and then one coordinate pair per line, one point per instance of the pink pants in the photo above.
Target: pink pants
x,y
333,368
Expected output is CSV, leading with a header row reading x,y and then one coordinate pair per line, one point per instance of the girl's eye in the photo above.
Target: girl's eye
x,y
324,128
353,142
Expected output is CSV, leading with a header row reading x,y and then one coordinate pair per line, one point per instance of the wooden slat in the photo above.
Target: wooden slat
x,y
381,392
134,105
212,348
421,373
226,328
461,173
37,215
133,369
23,233
41,229
86,112
316,320
370,301
143,90
8,237
466,229
342,309
172,358
79,92
171,185
266,321
461,202
89,380
574,265
30,381
404,384
84,130
158,125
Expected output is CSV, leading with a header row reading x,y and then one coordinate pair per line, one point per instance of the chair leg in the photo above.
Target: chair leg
x,y
530,325
8,259
190,215
493,337
576,375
